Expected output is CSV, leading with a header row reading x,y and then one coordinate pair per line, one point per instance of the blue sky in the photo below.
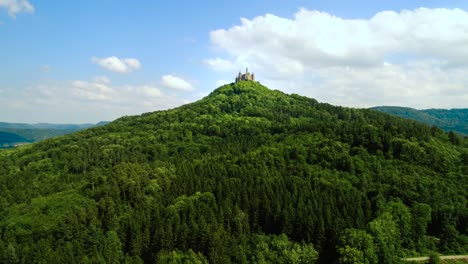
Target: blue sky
x,y
86,61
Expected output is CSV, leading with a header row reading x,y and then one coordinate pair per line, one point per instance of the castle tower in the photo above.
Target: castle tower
x,y
247,76
239,77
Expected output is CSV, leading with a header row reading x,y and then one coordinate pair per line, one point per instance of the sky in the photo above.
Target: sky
x,y
88,61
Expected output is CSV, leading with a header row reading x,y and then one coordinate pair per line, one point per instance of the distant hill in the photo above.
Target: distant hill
x,y
41,131
453,119
50,126
8,139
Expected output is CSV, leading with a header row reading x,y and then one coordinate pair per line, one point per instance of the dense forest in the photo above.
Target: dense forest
x,y
245,175
449,120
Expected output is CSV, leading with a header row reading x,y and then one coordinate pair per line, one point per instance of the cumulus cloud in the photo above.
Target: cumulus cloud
x,y
321,39
16,6
415,84
96,90
174,82
100,89
151,91
393,56
79,101
115,64
102,79
221,82
219,64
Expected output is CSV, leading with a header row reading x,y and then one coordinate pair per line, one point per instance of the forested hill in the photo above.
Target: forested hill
x,y
453,119
245,175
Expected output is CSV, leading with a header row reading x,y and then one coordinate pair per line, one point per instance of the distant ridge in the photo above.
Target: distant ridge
x,y
446,119
9,139
50,125
41,131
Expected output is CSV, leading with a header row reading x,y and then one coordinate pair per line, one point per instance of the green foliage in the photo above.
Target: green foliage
x,y
434,258
454,138
245,175
112,252
387,238
9,255
42,214
402,218
357,246
278,249
179,257
421,216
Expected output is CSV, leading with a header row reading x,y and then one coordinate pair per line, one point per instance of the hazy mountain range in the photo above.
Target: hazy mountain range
x,y
453,119
17,133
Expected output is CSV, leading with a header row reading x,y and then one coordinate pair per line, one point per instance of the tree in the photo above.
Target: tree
x,y
112,248
9,255
356,246
387,238
278,249
402,217
181,257
421,216
454,139
434,258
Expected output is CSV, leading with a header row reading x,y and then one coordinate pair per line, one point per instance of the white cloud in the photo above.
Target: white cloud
x,y
319,39
100,90
80,101
419,85
101,79
174,82
219,64
92,90
118,65
132,63
222,82
151,91
408,58
16,6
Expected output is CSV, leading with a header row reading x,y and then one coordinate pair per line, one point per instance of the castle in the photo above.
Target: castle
x,y
245,77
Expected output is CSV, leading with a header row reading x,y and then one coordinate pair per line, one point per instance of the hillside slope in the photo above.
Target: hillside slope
x,y
453,119
245,175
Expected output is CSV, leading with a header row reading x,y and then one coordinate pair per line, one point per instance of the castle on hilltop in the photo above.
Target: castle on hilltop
x,y
245,77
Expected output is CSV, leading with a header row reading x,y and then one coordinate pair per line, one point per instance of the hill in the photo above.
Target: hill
x,y
8,139
245,175
41,131
453,119
49,125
